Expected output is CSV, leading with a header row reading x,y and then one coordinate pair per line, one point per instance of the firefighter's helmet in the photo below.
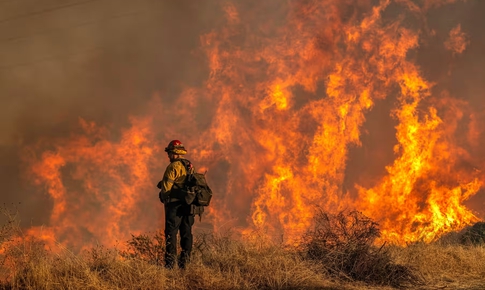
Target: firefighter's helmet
x,y
176,147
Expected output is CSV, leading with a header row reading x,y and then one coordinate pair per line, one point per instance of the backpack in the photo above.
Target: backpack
x,y
196,192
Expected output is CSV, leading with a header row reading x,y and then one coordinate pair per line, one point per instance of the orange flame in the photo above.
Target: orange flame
x,y
422,197
284,104
95,185
457,41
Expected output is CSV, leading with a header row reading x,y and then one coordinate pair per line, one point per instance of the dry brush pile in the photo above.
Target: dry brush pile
x,y
344,245
338,253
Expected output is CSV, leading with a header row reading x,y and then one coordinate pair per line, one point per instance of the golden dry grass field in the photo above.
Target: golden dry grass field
x,y
225,262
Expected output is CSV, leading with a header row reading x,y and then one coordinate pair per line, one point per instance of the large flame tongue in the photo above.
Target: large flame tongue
x,y
97,186
296,96
289,87
422,195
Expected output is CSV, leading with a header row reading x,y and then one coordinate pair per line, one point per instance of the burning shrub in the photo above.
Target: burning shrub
x,y
343,244
100,259
144,247
474,235
18,252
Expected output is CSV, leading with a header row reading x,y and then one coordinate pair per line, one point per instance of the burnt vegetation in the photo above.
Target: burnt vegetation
x,y
339,252
344,245
474,235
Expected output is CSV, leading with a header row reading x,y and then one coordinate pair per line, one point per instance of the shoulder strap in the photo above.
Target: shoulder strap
x,y
187,164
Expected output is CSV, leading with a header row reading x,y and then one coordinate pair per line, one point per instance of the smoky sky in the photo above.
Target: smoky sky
x,y
99,58
102,60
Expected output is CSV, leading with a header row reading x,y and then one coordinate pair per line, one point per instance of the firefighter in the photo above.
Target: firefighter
x,y
177,213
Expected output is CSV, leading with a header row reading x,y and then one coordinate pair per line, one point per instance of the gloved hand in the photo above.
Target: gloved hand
x,y
159,185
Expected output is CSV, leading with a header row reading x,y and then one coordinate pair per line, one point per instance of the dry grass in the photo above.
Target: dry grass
x,y
453,265
221,262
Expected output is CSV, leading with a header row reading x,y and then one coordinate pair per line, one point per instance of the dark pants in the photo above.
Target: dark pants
x,y
177,217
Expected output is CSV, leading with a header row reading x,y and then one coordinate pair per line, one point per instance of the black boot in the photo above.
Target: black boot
x,y
184,259
169,261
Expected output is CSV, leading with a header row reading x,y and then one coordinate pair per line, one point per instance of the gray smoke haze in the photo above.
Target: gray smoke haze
x,y
102,60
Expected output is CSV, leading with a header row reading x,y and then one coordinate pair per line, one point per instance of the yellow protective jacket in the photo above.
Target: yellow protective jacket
x,y
174,174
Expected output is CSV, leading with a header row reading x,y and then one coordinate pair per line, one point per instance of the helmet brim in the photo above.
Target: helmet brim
x,y
178,151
